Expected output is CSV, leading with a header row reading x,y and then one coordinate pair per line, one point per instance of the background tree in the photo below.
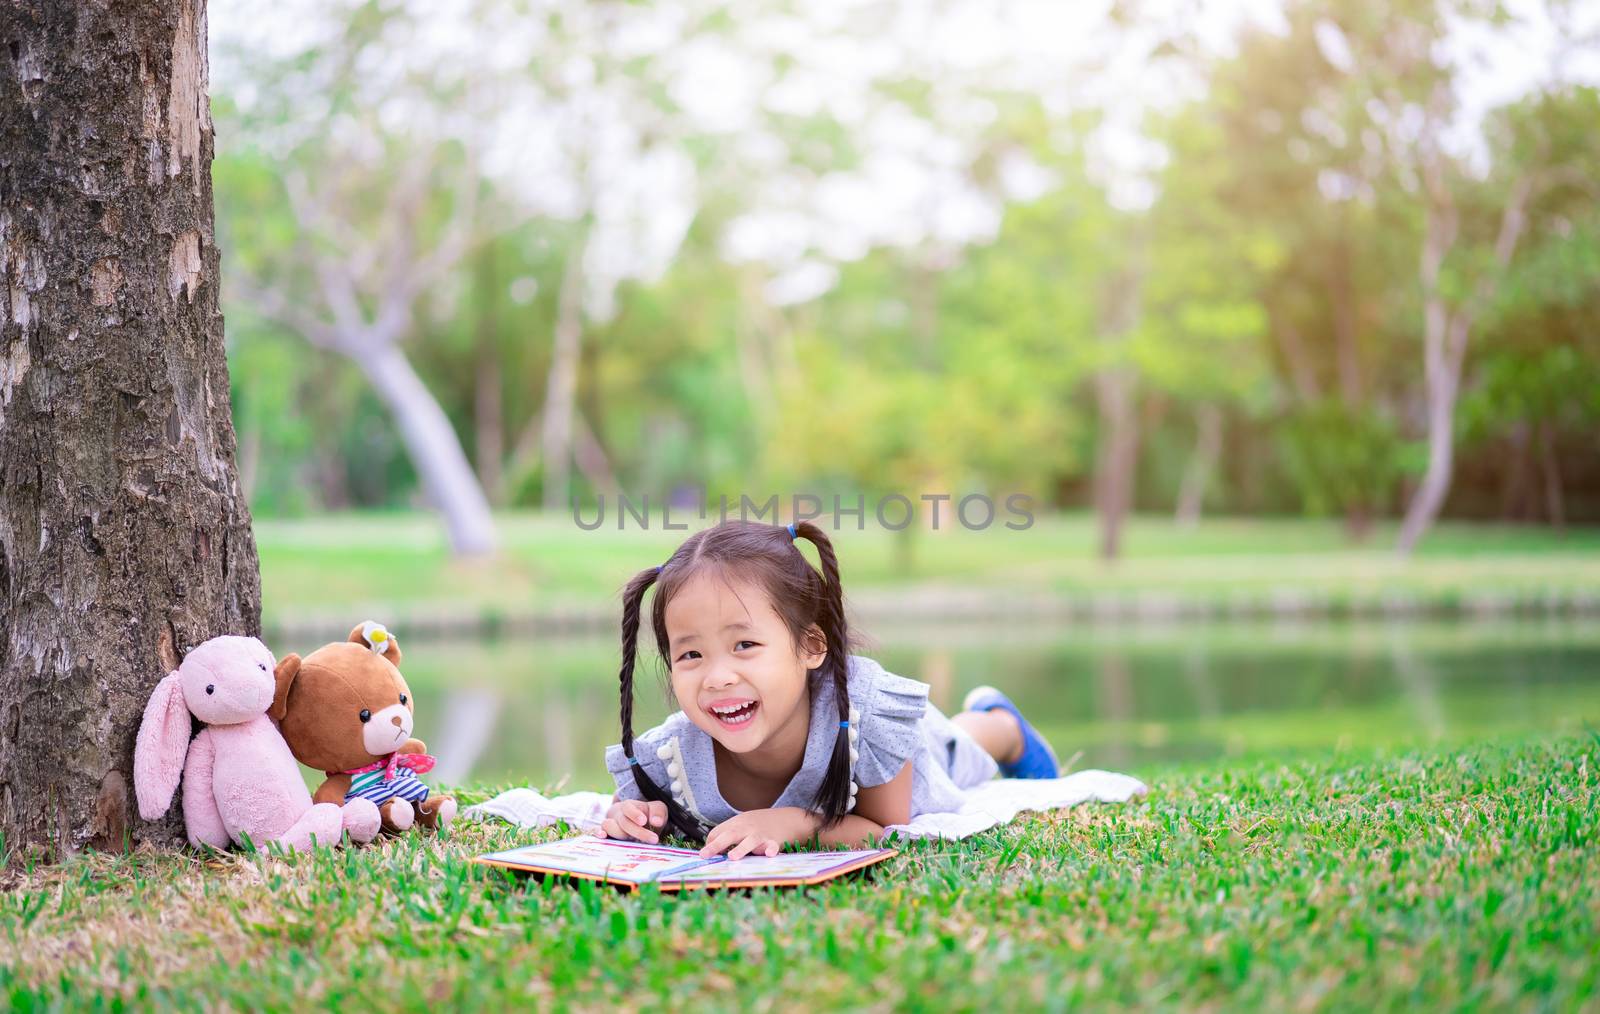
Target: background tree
x,y
124,535
1402,88
920,211
381,213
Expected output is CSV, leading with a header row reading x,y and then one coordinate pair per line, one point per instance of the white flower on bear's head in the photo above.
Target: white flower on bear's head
x,y
376,635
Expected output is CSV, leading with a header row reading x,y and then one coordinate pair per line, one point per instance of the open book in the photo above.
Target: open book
x,y
629,864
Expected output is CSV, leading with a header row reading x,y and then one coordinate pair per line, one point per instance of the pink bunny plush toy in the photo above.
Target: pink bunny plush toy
x,y
239,777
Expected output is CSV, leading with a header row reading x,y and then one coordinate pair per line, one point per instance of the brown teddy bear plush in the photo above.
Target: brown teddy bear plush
x,y
345,710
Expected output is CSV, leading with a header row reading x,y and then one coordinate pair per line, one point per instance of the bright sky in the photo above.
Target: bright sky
x,y
586,147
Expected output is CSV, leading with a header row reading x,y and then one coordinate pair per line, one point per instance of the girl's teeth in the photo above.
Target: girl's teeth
x,y
735,716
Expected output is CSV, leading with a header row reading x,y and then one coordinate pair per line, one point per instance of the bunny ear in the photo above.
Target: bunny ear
x,y
159,751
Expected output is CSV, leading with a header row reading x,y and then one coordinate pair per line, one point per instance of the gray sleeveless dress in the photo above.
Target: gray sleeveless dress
x,y
891,722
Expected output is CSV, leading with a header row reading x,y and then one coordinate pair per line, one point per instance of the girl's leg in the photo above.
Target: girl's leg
x,y
996,731
990,718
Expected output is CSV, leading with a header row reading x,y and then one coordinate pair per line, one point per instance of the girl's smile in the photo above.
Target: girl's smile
x,y
733,712
736,671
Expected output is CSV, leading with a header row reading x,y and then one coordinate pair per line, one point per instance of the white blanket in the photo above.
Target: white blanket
x,y
989,805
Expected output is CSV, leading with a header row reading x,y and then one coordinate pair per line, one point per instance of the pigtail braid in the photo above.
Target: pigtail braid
x,y
837,791
679,820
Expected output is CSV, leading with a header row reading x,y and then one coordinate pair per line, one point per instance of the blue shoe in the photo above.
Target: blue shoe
x,y
1037,760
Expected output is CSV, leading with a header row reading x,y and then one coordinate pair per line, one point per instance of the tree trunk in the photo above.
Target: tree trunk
x,y
1514,488
124,536
1116,457
487,403
1342,296
1445,331
1207,446
1302,373
1444,336
561,387
1550,466
1358,522
591,457
587,451
431,442
1443,379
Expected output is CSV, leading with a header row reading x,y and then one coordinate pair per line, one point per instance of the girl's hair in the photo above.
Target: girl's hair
x,y
767,556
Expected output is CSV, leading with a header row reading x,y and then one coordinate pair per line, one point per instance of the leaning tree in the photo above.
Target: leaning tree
x,y
124,537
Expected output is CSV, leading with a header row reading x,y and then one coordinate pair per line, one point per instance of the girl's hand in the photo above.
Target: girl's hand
x,y
633,818
760,832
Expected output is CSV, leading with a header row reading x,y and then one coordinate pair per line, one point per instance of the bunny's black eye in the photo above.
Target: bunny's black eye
x,y
402,698
366,716
262,666
211,688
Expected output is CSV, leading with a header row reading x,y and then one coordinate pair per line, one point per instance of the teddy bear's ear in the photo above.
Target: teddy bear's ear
x,y
284,677
376,638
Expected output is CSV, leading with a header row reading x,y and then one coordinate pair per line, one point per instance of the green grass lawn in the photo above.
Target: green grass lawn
x,y
1446,876
350,564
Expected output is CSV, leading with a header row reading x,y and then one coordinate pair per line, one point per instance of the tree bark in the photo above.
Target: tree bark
x,y
442,465
124,535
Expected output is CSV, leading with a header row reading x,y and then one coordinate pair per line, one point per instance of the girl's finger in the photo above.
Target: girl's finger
x,y
716,842
637,833
745,847
635,811
658,813
772,848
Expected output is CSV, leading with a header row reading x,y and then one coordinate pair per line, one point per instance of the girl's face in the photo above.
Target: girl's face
x,y
735,671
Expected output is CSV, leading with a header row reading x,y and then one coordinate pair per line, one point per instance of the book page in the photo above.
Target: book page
x,y
784,866
632,862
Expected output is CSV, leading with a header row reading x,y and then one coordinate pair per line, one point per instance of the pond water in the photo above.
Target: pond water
x,y
1133,698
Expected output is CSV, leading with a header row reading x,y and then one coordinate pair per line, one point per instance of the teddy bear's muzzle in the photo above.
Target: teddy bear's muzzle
x,y
387,730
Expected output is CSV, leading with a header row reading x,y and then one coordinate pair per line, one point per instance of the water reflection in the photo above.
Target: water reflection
x,y
465,730
1121,697
1417,679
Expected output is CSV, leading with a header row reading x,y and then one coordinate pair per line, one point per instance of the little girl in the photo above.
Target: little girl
x,y
782,736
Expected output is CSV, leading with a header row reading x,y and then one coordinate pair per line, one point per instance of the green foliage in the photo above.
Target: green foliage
x,y
1276,273
1341,460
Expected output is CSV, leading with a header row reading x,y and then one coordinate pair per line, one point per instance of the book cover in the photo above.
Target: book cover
x,y
629,864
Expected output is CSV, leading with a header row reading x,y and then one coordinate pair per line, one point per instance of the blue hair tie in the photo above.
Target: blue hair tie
x,y
792,532
634,761
658,569
844,725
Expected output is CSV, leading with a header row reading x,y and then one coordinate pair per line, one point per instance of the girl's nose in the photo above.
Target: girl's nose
x,y
720,676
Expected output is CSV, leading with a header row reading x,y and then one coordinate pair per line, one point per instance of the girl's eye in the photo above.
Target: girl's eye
x,y
685,655
741,644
